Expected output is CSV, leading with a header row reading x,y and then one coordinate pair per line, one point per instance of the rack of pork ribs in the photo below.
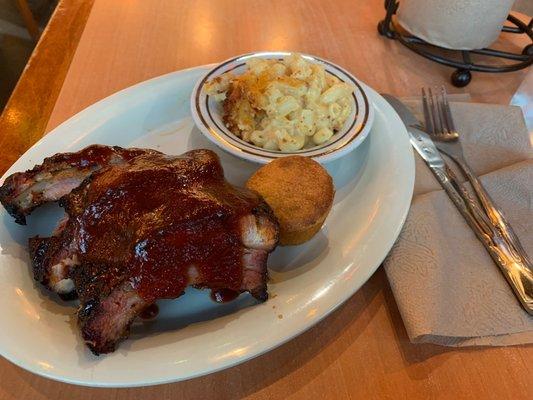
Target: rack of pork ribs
x,y
140,226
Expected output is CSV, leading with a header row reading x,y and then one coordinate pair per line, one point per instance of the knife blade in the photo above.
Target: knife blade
x,y
406,115
425,147
420,140
518,275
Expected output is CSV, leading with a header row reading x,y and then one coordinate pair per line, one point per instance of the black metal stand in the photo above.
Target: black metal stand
x,y
462,75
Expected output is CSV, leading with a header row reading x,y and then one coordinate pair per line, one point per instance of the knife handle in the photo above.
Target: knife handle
x,y
445,178
494,214
518,274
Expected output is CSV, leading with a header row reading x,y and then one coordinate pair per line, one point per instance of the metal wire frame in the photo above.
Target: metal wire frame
x,y
462,76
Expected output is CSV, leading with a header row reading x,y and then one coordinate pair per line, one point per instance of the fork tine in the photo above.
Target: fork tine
x,y
442,115
430,126
435,114
447,111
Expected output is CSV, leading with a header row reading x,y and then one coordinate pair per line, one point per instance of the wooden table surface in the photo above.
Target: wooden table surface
x,y
361,350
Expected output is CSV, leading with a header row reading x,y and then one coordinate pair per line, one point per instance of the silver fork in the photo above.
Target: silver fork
x,y
440,125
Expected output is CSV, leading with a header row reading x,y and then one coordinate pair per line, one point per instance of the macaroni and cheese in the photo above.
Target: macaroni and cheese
x,y
283,105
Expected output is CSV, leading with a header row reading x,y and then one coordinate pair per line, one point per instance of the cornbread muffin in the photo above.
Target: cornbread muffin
x,y
299,191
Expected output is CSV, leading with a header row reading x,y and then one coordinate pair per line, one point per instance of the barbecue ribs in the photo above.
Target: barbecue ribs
x,y
140,226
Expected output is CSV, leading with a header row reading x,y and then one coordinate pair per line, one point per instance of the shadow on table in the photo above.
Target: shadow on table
x,y
411,353
261,372
281,364
414,356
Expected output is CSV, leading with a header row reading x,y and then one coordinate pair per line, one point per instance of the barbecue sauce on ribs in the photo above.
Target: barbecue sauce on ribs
x,y
182,221
141,226
96,155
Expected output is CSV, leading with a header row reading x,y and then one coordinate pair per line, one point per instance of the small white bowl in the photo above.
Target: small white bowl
x,y
207,115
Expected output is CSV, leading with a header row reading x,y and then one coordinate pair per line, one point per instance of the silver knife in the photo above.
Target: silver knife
x,y
517,273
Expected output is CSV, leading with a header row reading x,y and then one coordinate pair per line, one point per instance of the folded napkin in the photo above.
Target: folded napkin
x,y
448,289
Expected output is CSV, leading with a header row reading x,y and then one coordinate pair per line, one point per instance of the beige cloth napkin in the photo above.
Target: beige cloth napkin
x,y
448,289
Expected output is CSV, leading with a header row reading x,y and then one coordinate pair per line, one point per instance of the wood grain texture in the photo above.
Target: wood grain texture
x,y
361,350
28,110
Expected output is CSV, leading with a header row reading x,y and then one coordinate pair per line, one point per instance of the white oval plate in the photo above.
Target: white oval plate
x,y
208,115
193,336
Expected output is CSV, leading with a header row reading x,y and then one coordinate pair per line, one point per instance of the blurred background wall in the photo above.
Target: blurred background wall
x,y
16,42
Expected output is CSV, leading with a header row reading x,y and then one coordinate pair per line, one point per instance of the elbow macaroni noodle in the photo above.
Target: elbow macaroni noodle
x,y
283,105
